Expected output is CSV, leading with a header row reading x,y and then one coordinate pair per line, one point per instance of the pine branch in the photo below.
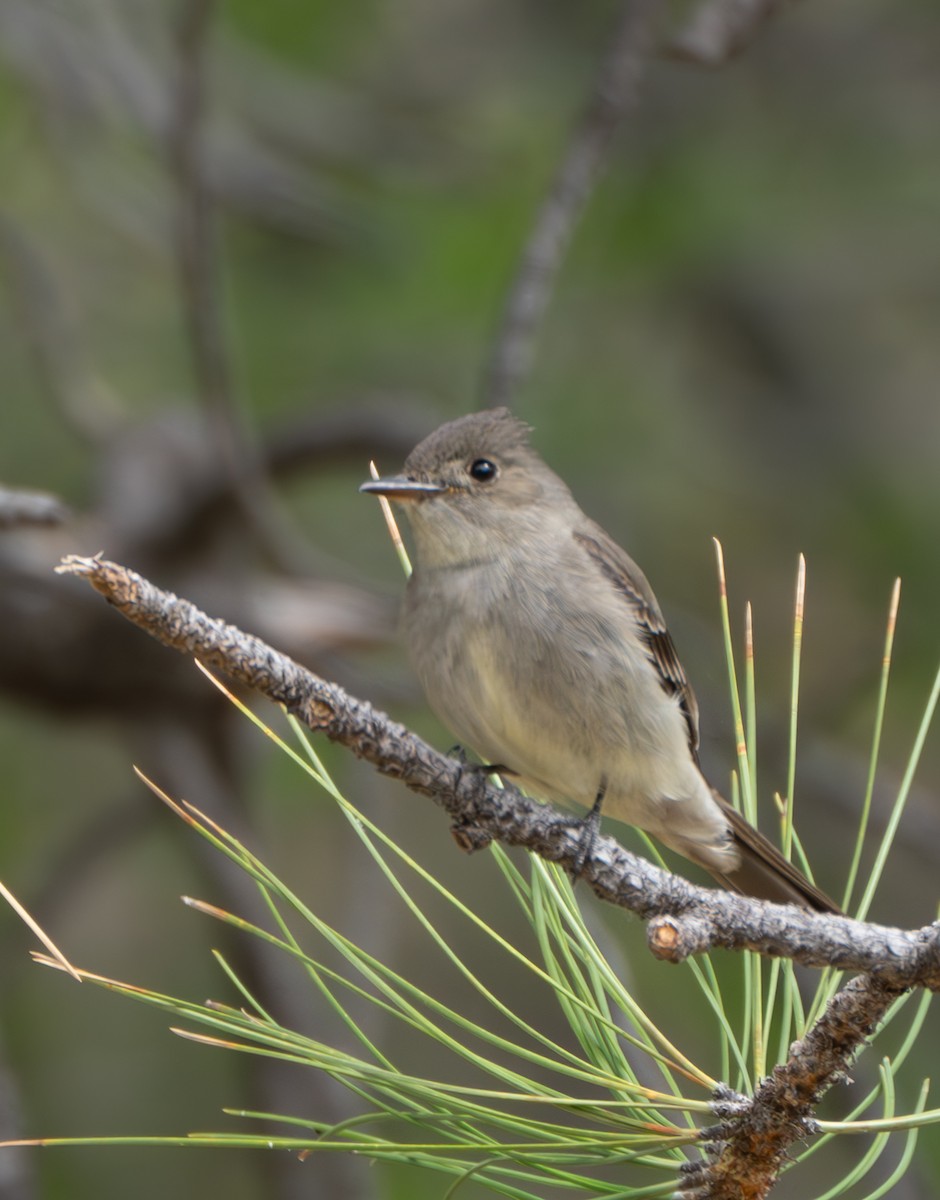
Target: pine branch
x,y
684,919
749,1146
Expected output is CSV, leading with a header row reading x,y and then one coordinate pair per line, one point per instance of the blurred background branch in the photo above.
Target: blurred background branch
x,y
719,29
615,93
22,507
200,291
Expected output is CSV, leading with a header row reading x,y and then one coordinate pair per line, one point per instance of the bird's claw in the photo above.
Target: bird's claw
x,y
589,827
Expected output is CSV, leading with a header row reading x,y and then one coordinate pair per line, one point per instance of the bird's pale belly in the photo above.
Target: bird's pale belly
x,y
565,744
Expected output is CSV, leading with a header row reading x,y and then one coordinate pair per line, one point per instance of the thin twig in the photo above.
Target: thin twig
x,y
201,293
51,331
196,233
584,159
721,29
22,507
684,919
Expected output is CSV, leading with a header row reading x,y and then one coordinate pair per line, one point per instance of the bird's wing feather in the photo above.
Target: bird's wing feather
x,y
764,872
631,585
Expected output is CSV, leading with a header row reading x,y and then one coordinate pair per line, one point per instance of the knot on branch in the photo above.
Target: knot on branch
x,y
470,837
673,939
317,713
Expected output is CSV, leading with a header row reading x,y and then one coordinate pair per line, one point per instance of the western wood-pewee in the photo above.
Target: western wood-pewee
x,y
540,644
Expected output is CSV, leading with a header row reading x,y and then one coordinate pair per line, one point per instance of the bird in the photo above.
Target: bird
x,y
540,644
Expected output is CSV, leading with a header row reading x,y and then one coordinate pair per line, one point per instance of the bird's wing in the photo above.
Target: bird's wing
x,y
631,584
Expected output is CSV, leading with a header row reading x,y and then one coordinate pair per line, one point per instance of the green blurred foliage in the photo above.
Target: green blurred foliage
x,y
741,343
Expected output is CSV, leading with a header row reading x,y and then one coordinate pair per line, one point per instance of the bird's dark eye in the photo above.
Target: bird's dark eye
x,y
482,470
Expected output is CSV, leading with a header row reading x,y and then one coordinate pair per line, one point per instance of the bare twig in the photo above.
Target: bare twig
x,y
584,159
720,29
201,293
19,507
50,331
684,918
196,233
279,154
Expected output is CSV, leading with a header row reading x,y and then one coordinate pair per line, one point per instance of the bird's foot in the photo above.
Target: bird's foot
x,y
469,836
589,827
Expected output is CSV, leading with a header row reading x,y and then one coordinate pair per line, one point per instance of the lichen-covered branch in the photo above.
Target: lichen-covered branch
x,y
684,919
748,1147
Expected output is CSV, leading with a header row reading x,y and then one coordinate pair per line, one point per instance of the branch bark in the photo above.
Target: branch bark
x,y
683,919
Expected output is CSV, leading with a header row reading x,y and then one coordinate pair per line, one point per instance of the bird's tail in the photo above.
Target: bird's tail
x,y
764,873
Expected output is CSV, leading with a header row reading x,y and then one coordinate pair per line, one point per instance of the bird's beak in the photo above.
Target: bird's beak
x,y
399,487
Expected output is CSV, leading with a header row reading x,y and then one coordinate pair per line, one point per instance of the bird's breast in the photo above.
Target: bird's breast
x,y
545,682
